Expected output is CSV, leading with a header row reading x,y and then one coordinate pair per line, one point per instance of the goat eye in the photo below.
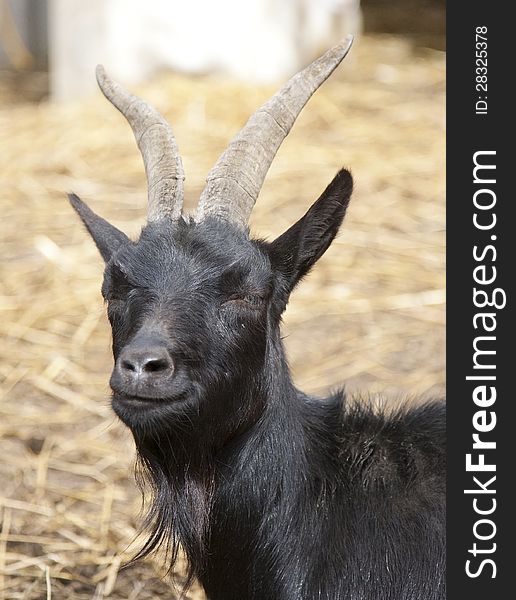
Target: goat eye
x,y
115,295
116,301
253,300
248,300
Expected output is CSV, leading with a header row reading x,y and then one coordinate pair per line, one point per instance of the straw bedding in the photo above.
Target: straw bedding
x,y
371,314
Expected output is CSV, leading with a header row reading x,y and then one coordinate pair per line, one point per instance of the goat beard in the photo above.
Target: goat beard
x,y
180,488
176,467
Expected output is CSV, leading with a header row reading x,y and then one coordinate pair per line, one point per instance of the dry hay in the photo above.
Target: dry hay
x,y
371,313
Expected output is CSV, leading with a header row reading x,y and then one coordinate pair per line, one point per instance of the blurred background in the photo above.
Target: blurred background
x,y
370,315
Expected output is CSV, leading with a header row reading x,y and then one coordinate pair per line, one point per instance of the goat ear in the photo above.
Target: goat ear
x,y
106,236
295,252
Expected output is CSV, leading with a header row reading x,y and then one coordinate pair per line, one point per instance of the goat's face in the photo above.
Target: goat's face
x,y
194,308
189,310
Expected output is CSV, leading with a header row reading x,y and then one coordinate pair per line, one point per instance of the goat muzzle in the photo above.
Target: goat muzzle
x,y
143,369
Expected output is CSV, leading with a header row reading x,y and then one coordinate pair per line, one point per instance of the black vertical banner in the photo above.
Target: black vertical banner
x,y
481,355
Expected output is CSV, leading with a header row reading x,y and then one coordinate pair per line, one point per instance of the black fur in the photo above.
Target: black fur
x,y
274,495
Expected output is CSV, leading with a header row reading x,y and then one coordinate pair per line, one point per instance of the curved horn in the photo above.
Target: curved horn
x,y
234,183
158,148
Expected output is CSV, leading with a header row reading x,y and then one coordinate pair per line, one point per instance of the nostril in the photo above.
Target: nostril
x,y
128,366
156,364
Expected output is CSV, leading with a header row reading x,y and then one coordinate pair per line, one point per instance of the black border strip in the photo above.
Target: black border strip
x,y
467,134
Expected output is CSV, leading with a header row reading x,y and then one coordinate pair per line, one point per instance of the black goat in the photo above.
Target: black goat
x,y
273,494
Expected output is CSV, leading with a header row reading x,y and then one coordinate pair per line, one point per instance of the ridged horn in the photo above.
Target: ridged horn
x,y
233,184
157,144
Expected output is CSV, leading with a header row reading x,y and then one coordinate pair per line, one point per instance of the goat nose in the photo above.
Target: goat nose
x,y
145,363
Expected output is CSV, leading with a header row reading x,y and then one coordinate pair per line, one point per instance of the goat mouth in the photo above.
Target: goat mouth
x,y
135,400
139,412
